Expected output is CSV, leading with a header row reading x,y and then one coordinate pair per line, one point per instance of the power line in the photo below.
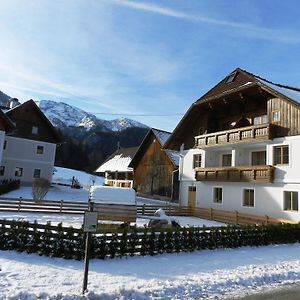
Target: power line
x,y
137,115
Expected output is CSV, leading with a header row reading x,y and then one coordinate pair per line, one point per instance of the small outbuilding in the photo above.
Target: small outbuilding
x,y
116,168
155,168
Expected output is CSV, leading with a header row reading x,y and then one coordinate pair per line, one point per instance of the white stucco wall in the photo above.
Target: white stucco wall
x,y
2,139
23,153
268,197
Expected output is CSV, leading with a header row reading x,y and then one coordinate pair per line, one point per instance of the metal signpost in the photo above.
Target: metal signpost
x,y
89,226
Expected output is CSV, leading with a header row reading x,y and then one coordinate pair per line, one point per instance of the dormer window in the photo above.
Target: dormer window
x,y
34,130
230,78
40,150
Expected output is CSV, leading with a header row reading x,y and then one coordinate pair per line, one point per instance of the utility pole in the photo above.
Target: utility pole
x,y
90,225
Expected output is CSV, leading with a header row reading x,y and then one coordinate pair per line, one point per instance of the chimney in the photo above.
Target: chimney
x,y
13,102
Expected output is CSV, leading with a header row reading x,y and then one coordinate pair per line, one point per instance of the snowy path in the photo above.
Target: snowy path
x,y
198,275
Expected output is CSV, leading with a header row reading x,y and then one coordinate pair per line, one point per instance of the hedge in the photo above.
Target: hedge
x,y
8,185
58,241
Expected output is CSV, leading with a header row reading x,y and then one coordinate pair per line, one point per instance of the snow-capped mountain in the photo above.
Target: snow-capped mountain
x,y
64,115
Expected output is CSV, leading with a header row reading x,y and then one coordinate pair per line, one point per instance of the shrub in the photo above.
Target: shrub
x,y
40,188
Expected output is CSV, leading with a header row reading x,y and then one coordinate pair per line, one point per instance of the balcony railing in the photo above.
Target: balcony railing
x,y
238,135
260,174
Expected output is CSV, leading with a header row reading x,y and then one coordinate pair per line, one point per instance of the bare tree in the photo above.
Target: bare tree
x,y
40,188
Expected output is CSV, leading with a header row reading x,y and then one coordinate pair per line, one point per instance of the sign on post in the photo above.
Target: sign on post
x,y
90,221
89,225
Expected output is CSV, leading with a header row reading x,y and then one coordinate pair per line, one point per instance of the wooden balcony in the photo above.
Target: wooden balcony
x,y
232,136
259,174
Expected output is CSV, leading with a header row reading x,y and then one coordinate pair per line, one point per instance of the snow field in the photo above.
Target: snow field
x,y
217,274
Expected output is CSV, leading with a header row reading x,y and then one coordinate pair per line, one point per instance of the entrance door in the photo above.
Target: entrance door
x,y
192,197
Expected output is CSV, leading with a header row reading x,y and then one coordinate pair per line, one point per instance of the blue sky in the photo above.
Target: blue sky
x,y
142,57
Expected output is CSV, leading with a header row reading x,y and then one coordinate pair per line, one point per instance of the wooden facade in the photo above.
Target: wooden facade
x,y
238,104
154,171
32,124
259,174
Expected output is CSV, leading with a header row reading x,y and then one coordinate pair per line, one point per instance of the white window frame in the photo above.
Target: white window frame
x,y
213,195
22,170
34,130
39,174
37,149
290,210
242,197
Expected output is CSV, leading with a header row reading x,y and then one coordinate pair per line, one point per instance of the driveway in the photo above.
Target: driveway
x,y
291,292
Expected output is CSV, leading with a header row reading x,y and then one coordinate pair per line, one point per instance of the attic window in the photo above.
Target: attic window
x,y
34,130
230,78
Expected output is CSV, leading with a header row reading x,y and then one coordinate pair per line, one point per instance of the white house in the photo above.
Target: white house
x,y
239,145
116,168
29,150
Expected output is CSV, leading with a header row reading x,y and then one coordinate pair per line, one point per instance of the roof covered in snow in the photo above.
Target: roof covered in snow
x,y
118,161
112,195
287,91
161,135
174,156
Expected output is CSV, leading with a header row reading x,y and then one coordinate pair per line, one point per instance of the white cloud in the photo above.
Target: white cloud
x,y
251,30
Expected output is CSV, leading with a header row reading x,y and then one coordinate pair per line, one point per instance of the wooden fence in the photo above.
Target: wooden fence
x,y
68,243
72,207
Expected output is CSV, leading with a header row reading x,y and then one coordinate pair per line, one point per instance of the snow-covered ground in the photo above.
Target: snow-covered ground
x,y
66,193
64,175
217,274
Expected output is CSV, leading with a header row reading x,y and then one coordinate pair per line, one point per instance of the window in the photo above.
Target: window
x,y
248,197
226,160
258,158
230,78
281,155
4,145
260,120
276,116
197,161
34,130
2,169
18,172
192,188
217,195
37,173
40,149
290,201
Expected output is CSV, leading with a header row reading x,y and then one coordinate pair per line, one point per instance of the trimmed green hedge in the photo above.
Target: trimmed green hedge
x,y
68,243
8,185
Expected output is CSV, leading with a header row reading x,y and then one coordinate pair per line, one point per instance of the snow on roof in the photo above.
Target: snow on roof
x,y
161,135
292,93
112,195
118,161
286,91
174,156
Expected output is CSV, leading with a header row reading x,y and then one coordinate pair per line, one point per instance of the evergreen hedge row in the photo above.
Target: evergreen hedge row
x,y
57,241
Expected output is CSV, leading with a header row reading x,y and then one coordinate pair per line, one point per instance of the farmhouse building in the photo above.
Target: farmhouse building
x,y
116,168
29,149
239,148
156,169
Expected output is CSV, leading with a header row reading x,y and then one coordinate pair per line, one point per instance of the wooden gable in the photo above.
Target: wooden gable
x,y
152,168
32,124
5,123
239,95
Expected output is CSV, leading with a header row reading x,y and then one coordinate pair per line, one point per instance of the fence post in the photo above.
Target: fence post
x,y
267,219
19,204
61,205
236,217
211,214
143,209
